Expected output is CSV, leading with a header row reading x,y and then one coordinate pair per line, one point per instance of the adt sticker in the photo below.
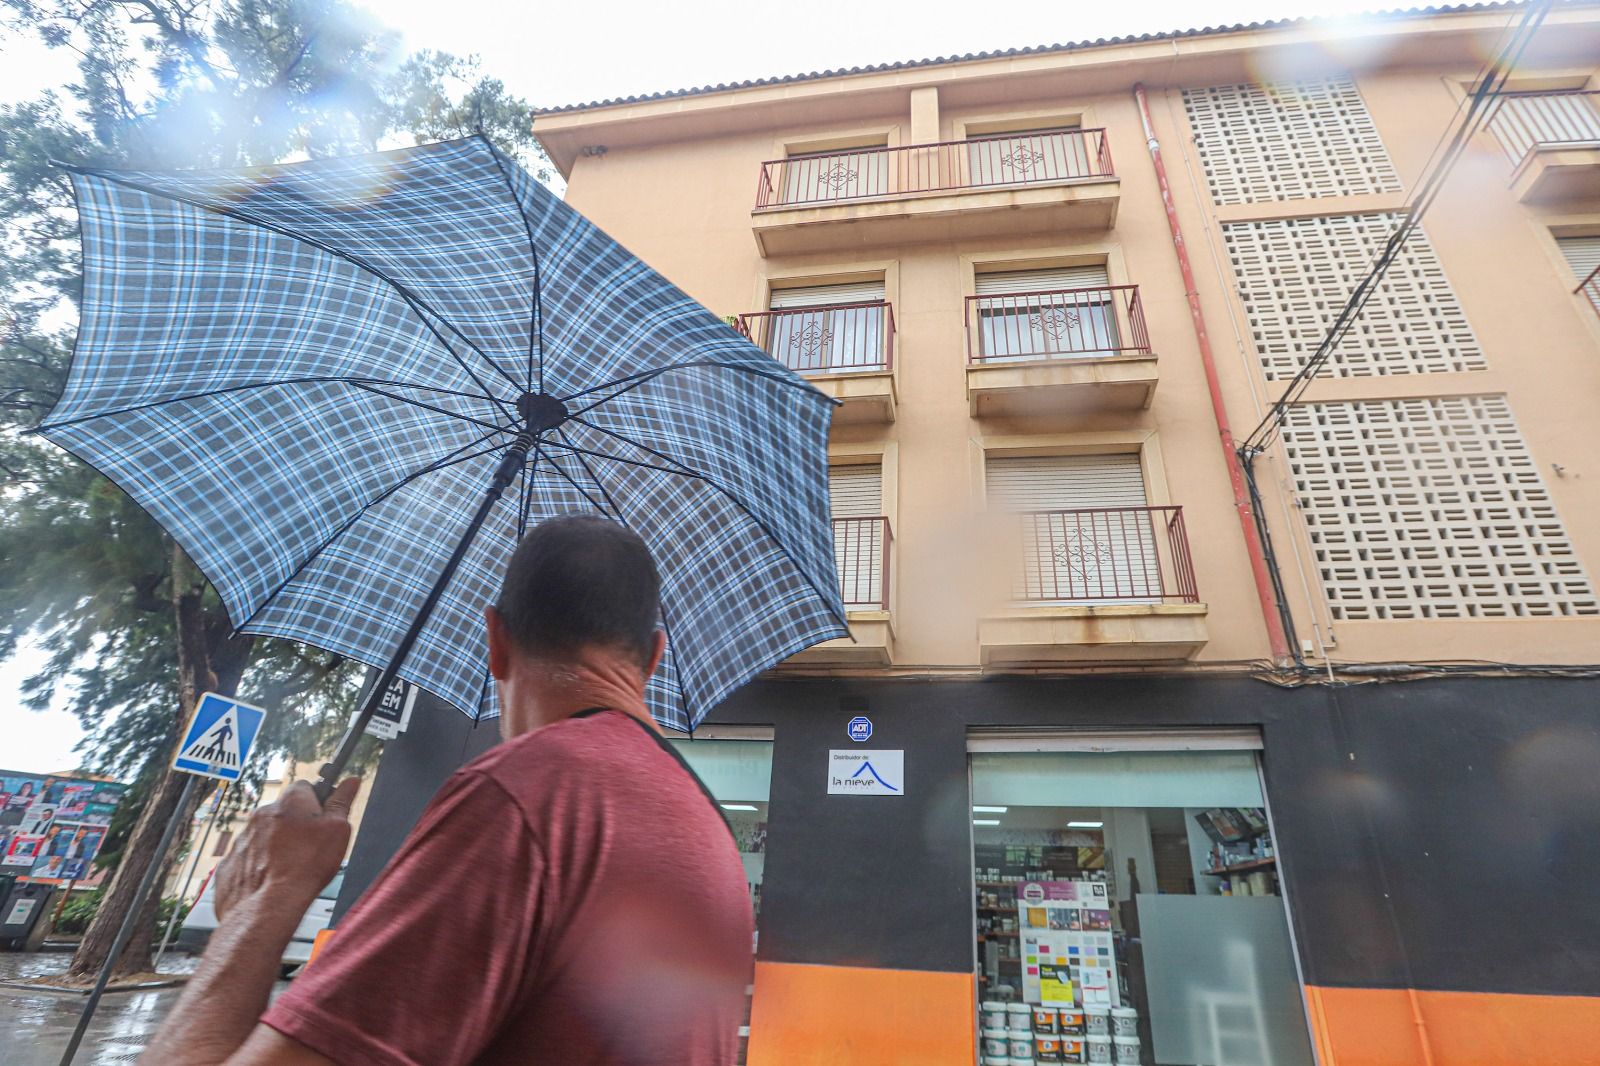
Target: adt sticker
x,y
860,729
219,738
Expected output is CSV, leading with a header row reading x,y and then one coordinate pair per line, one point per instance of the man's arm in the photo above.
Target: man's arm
x,y
289,850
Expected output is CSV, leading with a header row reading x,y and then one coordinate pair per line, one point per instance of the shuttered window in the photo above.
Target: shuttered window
x,y
839,335
1052,154
855,494
1085,536
1583,254
843,174
1043,314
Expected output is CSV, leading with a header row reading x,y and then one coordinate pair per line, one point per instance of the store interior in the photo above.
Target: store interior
x,y
1126,932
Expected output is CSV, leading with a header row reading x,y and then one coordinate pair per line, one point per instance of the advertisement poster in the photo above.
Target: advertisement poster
x,y
1067,949
51,828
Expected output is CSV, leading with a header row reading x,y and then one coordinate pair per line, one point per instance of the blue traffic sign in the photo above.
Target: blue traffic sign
x,y
219,738
860,729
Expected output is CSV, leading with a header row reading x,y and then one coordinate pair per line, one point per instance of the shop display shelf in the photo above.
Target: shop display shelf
x,y
997,910
1243,867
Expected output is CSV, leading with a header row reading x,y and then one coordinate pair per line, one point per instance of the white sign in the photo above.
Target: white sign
x,y
392,716
219,738
20,911
857,772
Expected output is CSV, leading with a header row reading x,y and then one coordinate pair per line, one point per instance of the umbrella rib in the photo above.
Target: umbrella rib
x,y
683,691
439,464
683,471
646,375
320,380
536,312
415,302
528,474
431,407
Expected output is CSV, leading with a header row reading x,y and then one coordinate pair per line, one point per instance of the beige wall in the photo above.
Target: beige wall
x,y
676,184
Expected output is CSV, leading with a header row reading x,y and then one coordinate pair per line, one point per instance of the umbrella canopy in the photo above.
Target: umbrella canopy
x,y
308,374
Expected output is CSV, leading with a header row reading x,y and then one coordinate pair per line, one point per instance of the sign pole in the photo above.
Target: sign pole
x,y
126,931
199,853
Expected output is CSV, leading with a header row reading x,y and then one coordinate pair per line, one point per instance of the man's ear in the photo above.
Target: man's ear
x,y
658,648
499,644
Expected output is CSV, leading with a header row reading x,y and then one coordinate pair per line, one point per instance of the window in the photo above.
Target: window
x,y
1288,141
1566,117
1086,531
837,174
1430,508
1052,154
1128,906
1039,314
1294,275
1582,255
855,493
828,328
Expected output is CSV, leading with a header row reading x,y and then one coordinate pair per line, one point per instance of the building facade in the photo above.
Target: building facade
x,y
1290,764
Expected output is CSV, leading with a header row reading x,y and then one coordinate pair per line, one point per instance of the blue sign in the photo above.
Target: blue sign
x,y
219,738
860,729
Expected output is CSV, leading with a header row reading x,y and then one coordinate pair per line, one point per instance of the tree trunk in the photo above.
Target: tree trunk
x,y
195,677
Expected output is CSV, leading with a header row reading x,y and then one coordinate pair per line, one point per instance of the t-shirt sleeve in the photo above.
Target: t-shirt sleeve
x,y
426,967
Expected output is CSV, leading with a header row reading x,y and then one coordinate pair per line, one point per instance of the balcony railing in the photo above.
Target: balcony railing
x,y
861,555
1590,287
825,340
1557,118
1062,322
1106,555
945,166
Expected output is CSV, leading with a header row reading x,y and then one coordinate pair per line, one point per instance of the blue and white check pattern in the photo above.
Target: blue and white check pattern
x,y
307,373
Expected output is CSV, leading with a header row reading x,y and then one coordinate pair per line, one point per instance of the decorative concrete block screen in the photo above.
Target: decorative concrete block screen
x,y
1294,275
1431,508
1288,141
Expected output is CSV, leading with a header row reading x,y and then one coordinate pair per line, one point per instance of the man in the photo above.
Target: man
x,y
573,896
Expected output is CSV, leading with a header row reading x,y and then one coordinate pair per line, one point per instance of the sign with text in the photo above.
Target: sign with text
x,y
858,772
393,713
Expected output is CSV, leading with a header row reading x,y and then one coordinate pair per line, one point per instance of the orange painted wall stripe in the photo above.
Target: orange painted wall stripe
x,y
805,1015
1376,1027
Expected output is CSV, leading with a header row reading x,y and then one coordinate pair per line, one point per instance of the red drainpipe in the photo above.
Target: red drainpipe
x,y
1230,454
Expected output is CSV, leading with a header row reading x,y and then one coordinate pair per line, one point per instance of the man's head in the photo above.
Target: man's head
x,y
580,590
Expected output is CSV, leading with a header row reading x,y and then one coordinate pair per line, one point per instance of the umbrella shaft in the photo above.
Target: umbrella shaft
x,y
504,474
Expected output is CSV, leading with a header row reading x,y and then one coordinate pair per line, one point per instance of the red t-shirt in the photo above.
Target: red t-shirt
x,y
573,896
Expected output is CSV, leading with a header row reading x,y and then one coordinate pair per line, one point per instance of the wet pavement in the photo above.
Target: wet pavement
x,y
35,1026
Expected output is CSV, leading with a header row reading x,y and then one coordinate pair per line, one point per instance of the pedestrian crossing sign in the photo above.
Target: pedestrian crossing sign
x,y
219,738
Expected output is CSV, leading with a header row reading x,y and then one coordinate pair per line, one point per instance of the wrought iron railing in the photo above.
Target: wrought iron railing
x,y
861,555
1108,320
944,166
824,340
1524,121
1590,287
1106,555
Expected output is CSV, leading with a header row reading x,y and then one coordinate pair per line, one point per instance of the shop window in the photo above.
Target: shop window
x,y
1128,910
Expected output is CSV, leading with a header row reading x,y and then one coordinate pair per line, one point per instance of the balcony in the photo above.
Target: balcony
x,y
1096,586
861,556
1553,141
984,186
1590,288
846,350
1068,351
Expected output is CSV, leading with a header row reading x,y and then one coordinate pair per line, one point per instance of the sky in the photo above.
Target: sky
x,y
555,54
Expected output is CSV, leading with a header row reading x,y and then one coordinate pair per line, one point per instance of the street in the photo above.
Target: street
x,y
35,1026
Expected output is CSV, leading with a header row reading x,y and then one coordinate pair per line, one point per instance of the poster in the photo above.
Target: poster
x,y
1068,954
51,828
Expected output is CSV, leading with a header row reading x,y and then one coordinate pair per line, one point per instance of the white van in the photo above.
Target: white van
x,y
201,922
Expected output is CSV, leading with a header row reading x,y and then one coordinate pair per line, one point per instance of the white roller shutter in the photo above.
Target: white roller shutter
x,y
1010,281
1583,254
856,495
1076,545
852,292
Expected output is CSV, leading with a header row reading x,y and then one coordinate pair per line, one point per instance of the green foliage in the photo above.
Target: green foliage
x,y
172,84
80,908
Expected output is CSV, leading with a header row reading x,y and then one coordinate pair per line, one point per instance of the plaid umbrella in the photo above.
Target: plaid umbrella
x,y
323,378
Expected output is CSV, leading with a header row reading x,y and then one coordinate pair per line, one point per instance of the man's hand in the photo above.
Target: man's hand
x,y
290,849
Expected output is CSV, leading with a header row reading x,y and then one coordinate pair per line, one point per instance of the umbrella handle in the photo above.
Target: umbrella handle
x,y
510,464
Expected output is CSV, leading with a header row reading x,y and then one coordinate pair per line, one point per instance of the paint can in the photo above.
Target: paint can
x,y
997,1060
1072,1049
1019,1016
1097,1021
1044,1019
995,1043
1046,1047
1124,1022
1021,1041
1099,1048
1069,1021
1126,1050
994,1014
